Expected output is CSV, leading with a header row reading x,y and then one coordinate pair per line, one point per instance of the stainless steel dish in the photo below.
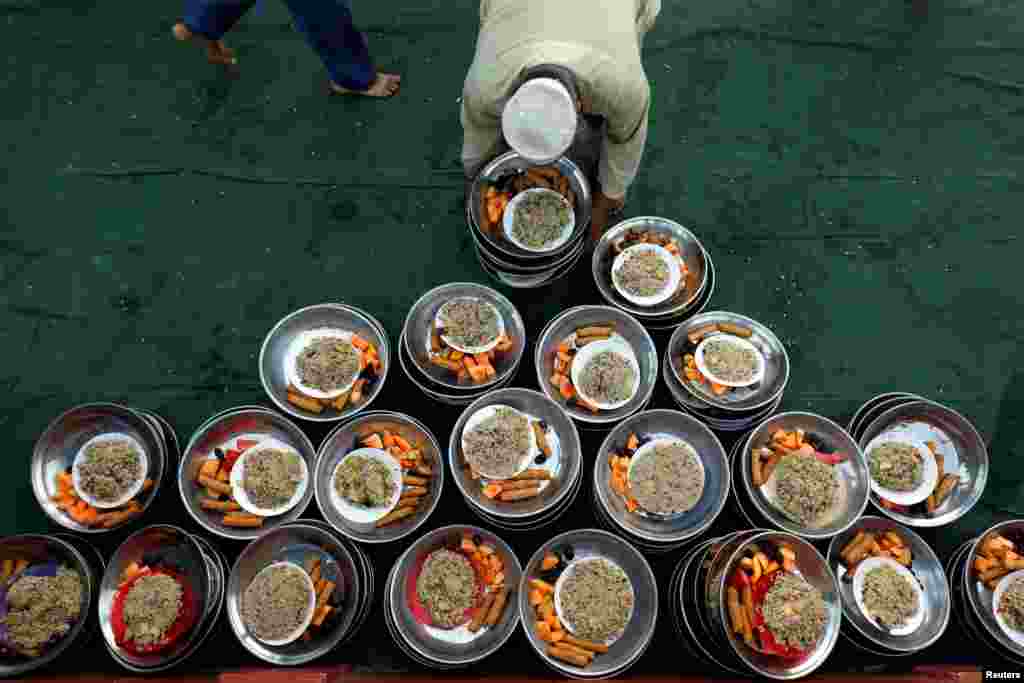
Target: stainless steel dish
x,y
980,598
459,400
627,326
345,438
36,548
419,322
516,281
815,570
637,636
963,451
190,562
856,422
290,542
262,423
564,464
56,448
926,568
455,647
691,249
329,315
852,474
776,360
510,162
658,424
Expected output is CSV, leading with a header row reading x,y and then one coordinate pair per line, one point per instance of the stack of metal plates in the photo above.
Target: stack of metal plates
x,y
658,532
201,567
305,543
977,600
506,262
736,409
555,465
68,435
286,339
441,645
928,580
956,442
563,331
436,377
657,312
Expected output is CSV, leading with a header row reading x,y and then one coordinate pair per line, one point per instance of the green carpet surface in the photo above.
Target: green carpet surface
x,y
854,169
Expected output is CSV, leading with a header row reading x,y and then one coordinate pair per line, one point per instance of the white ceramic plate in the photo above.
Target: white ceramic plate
x,y
929,476
238,477
362,514
675,274
508,221
872,563
439,321
489,411
648,448
572,567
615,344
701,361
301,343
131,492
307,619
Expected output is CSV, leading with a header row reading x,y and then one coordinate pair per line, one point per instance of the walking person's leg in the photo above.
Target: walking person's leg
x,y
327,27
207,21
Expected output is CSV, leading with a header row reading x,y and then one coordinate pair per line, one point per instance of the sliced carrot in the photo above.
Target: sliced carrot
x,y
492,491
209,468
403,444
544,631
478,373
504,344
388,440
536,597
552,620
360,343
550,561
566,389
632,443
718,389
321,615
557,636
543,586
563,348
64,480
373,441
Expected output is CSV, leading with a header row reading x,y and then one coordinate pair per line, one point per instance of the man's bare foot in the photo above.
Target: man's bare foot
x,y
385,85
216,52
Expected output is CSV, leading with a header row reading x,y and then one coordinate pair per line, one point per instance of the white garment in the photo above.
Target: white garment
x,y
598,40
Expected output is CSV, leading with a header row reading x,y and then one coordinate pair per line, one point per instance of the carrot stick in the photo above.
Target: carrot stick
x,y
519,494
586,644
394,516
568,656
321,614
410,480
240,519
214,485
481,613
414,491
408,501
308,404
111,519
533,474
325,594
497,607
221,505
542,439
516,484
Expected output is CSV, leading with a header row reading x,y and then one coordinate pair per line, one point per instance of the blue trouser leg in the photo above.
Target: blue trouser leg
x,y
214,18
327,27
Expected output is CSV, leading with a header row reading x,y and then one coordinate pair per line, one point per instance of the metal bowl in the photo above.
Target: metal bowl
x,y
852,474
343,439
420,319
279,339
212,434
459,400
959,442
738,400
856,422
638,633
627,326
194,570
564,464
500,262
665,424
692,251
980,598
509,162
57,446
815,570
40,548
271,547
929,572
454,648
516,281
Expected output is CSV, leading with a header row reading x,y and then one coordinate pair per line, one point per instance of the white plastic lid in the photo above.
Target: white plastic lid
x,y
539,120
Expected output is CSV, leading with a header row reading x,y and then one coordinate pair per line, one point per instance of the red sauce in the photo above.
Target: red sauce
x,y
181,626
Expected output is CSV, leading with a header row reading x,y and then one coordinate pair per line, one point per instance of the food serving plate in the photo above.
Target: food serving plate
x,y
349,436
982,600
192,565
657,425
874,407
37,548
256,424
61,441
692,251
743,399
534,281
852,474
536,522
594,543
509,163
563,464
420,320
293,542
625,325
961,446
814,569
278,348
456,647
926,569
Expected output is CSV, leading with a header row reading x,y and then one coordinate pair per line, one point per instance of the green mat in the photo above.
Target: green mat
x,y
854,170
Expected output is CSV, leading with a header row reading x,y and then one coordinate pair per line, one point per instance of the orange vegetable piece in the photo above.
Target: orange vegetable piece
x,y
373,441
536,597
388,439
550,561
718,389
403,444
566,389
632,443
557,636
360,343
544,631
543,586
